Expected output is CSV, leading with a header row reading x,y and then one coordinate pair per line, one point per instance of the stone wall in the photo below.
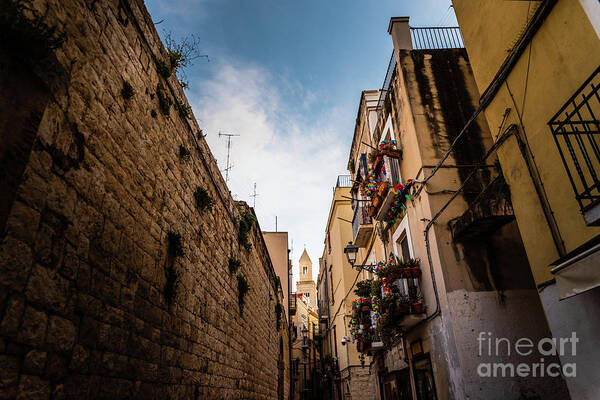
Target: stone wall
x,y
98,184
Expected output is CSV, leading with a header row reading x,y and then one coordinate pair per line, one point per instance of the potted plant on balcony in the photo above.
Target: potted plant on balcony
x,y
363,288
389,148
417,307
403,305
412,266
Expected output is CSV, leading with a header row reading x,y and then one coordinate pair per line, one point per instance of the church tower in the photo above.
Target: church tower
x,y
306,286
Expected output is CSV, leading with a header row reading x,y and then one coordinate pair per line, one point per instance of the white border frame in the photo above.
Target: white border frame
x,y
403,227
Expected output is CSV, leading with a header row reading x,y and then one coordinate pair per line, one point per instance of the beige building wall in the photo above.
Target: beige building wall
x,y
353,377
277,245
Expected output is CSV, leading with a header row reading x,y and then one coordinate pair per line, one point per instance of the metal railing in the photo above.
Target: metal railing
x,y
576,131
386,82
343,181
436,38
361,217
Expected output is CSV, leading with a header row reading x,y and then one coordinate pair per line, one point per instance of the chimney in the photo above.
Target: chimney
x,y
400,32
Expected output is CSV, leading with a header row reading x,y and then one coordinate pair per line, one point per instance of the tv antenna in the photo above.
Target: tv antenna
x,y
254,195
228,166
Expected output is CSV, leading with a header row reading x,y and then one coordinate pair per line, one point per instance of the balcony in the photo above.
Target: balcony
x,y
576,131
392,177
292,304
488,212
362,225
430,38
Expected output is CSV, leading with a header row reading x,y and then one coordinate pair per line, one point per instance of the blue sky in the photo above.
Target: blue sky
x,y
287,76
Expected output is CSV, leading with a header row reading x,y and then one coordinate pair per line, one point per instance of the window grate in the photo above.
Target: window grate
x,y
576,131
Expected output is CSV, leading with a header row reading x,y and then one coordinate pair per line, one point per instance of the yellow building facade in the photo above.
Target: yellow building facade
x,y
350,377
538,63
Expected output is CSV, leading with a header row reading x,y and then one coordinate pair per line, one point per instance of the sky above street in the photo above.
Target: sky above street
x,y
287,77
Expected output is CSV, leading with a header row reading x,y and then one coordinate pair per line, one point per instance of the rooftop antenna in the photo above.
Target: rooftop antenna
x,y
228,166
276,230
255,195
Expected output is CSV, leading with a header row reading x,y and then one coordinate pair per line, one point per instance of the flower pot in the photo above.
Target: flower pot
x,y
372,211
376,201
365,308
403,308
418,307
414,272
382,189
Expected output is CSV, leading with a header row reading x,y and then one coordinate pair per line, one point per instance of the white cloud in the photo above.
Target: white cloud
x,y
294,158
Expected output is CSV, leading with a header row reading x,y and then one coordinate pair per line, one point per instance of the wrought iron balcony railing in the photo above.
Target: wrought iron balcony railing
x,y
576,131
447,37
362,225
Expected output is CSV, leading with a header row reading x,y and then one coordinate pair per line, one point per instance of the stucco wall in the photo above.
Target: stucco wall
x,y
83,308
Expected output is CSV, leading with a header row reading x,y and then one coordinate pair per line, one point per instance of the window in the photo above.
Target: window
x,y
403,245
307,295
424,383
305,270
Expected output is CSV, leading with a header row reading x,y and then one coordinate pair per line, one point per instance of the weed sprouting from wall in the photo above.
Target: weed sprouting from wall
x,y
175,249
203,200
163,68
181,54
127,91
183,109
184,153
246,221
164,101
234,265
200,134
243,289
175,245
28,39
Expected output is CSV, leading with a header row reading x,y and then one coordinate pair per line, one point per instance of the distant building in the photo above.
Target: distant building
x,y
306,287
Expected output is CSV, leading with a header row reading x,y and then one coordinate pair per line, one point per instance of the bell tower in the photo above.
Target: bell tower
x,y
306,286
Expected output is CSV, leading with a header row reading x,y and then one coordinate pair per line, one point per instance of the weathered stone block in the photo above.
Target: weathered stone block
x,y
61,334
47,289
33,329
16,260
33,388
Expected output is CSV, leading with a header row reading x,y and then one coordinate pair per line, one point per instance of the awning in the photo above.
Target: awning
x,y
579,273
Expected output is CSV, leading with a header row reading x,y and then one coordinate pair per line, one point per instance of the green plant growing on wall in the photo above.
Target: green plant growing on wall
x,y
181,54
200,134
127,90
164,102
174,250
184,153
351,165
27,38
203,200
278,313
243,288
163,68
175,245
245,225
183,109
234,265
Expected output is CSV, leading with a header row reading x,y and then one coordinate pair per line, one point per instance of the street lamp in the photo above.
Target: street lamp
x,y
351,252
304,350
